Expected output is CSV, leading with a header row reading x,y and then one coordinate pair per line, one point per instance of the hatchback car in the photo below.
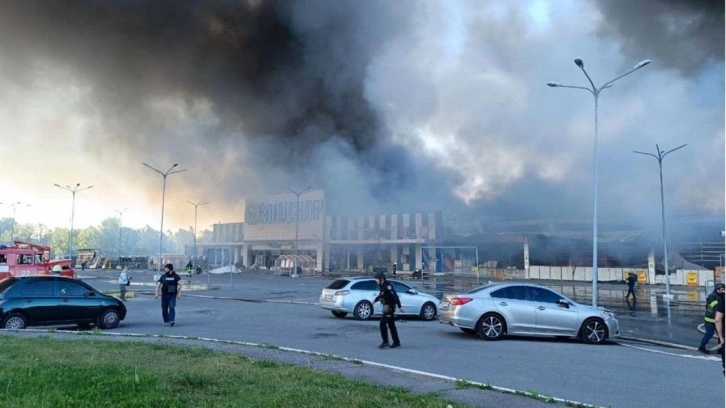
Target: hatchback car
x,y
356,294
501,309
45,300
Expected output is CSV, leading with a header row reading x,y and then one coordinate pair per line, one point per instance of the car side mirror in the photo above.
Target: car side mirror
x,y
563,303
90,294
412,291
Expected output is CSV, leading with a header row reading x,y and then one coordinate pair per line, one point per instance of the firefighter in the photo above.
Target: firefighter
x,y
389,299
709,317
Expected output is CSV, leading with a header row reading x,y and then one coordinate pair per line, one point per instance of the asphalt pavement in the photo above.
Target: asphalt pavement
x,y
649,318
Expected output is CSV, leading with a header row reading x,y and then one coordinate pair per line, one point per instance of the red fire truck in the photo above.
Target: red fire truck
x,y
22,259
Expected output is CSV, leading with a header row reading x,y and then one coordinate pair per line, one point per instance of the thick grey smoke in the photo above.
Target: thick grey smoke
x,y
685,35
387,105
275,86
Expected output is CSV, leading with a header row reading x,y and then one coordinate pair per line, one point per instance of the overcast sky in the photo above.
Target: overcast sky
x,y
387,105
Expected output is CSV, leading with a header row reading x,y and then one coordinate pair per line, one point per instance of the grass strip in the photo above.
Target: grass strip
x,y
45,372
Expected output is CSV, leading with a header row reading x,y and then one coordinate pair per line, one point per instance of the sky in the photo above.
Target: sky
x,y
388,106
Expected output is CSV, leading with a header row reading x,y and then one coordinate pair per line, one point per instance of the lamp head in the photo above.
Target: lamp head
x,y
579,63
175,164
553,84
641,64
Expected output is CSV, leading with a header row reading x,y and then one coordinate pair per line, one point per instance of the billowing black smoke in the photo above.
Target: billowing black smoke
x,y
282,81
255,96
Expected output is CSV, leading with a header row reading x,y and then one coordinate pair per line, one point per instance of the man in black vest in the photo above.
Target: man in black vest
x,y
169,286
719,323
709,317
632,280
389,300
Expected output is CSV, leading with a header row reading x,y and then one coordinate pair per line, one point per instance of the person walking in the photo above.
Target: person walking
x,y
169,287
123,280
720,328
631,281
389,299
709,317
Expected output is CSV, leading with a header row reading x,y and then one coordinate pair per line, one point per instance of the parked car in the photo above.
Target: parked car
x,y
525,309
47,300
356,294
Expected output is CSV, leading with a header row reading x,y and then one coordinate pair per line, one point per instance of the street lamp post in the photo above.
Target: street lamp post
x,y
660,156
297,226
120,225
163,194
595,91
14,206
196,206
73,191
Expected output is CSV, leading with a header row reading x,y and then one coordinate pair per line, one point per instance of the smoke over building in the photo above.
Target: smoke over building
x,y
385,105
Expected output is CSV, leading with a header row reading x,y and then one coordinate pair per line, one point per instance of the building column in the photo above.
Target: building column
x,y
394,257
419,257
360,257
319,256
651,267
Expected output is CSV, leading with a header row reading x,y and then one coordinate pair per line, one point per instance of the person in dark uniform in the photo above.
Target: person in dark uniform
x,y
169,286
631,285
719,323
389,299
710,317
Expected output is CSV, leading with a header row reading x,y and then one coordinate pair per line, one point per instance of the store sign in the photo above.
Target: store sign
x,y
283,212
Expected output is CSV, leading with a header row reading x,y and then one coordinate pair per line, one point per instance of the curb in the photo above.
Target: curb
x,y
658,342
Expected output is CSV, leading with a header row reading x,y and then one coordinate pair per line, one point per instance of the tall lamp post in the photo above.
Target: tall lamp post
x,y
120,225
163,194
14,206
196,206
660,156
297,226
595,91
73,190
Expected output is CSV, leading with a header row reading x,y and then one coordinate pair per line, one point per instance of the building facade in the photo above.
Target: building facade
x,y
273,230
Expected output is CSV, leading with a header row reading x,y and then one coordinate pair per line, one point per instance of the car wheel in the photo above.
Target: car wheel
x,y
491,327
108,319
339,314
363,310
594,331
467,331
428,311
14,321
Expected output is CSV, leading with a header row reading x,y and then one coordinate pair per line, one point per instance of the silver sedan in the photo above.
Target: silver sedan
x,y
527,310
356,294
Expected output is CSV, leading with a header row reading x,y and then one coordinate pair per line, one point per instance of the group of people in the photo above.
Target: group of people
x,y
714,321
168,286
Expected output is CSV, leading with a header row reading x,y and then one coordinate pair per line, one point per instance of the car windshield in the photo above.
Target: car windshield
x,y
6,283
337,284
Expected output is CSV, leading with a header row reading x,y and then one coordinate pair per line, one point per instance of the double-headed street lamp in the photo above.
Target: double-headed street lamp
x,y
297,226
163,194
196,206
595,91
14,206
73,190
660,156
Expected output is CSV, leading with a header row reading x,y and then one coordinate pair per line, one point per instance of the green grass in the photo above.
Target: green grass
x,y
45,372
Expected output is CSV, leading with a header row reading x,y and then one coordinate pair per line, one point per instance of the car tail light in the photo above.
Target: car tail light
x,y
342,292
458,301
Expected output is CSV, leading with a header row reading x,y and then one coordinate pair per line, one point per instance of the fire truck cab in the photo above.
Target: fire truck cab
x,y
23,259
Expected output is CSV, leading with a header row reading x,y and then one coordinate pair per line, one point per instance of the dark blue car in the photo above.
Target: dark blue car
x,y
47,300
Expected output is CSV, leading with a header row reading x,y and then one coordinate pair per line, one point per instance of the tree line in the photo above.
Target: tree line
x,y
109,236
